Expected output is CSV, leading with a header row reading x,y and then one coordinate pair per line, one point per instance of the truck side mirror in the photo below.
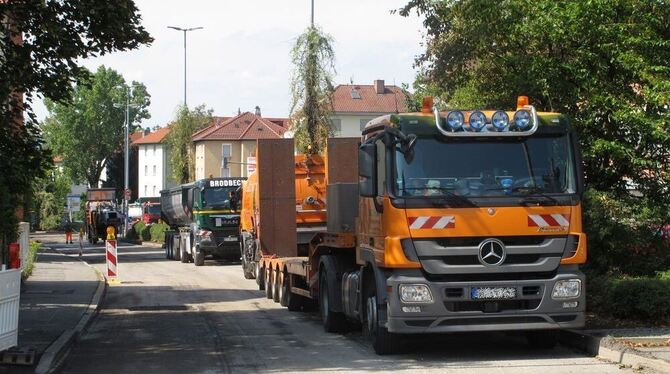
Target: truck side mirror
x,y
367,165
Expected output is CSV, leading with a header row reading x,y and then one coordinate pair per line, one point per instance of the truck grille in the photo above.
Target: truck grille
x,y
460,256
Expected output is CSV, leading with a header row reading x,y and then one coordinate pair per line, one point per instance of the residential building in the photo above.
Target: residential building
x,y
354,105
227,148
153,171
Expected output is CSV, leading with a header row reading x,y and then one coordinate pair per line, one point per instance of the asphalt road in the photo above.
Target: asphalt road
x,y
169,317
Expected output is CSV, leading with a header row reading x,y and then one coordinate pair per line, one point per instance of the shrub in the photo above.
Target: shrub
x,y
135,231
145,235
158,232
29,263
645,299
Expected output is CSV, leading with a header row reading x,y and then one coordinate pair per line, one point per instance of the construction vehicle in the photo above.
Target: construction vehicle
x,y
101,212
204,218
452,221
151,212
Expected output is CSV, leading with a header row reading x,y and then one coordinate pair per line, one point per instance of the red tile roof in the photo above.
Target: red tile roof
x,y
245,126
135,136
391,101
154,137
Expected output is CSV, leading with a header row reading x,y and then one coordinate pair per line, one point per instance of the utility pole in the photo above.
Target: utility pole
x,y
184,31
126,159
312,13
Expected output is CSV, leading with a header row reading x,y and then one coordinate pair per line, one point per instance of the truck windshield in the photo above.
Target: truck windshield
x,y
220,198
154,209
485,167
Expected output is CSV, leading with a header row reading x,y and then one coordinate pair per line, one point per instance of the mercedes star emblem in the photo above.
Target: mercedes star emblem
x,y
492,252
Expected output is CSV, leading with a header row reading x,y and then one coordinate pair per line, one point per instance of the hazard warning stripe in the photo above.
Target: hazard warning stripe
x,y
111,258
548,220
432,222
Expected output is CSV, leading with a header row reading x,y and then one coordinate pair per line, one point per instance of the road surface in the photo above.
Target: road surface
x,y
169,317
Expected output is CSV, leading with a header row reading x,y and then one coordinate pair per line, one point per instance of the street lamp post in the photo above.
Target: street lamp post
x,y
126,158
184,31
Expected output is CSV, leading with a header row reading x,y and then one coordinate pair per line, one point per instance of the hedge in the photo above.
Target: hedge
x,y
154,232
642,298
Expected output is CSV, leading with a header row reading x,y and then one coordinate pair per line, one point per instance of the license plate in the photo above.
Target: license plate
x,y
493,293
230,239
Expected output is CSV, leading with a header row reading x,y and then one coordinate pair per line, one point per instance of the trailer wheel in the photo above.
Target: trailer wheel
x,y
383,342
260,276
276,285
268,282
284,288
332,321
542,339
199,258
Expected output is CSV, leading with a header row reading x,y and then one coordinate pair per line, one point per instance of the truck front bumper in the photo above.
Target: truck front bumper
x,y
454,310
227,246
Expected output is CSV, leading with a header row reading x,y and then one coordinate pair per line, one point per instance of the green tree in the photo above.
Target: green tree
x,y
311,90
87,132
55,36
180,141
602,62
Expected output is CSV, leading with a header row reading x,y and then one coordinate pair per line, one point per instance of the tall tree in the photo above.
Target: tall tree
x,y
88,131
181,148
41,44
602,62
311,89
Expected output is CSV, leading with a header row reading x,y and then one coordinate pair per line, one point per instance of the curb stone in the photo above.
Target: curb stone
x,y
609,349
56,353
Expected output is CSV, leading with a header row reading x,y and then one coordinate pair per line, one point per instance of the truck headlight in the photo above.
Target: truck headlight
x,y
567,289
415,293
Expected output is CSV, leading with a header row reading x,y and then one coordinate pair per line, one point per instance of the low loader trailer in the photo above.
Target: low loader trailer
x,y
436,222
204,218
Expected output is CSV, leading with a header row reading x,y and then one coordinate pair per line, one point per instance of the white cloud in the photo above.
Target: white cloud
x,y
241,57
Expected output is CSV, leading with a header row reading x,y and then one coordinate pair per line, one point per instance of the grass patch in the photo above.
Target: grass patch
x,y
29,263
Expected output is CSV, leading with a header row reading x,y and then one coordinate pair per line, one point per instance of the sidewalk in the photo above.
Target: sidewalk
x,y
637,348
56,303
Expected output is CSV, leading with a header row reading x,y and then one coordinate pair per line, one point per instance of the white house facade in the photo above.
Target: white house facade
x,y
153,172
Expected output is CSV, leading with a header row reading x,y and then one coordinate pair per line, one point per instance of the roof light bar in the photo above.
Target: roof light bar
x,y
524,123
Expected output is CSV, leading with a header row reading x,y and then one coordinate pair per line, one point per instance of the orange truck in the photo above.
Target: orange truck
x,y
435,222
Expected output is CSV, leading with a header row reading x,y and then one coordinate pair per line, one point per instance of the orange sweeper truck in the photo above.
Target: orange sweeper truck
x,y
431,222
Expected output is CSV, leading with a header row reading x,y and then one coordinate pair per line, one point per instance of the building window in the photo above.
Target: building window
x,y
154,191
337,127
226,152
154,170
146,170
364,121
146,150
154,149
146,190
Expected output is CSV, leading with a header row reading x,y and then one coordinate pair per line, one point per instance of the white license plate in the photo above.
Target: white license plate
x,y
492,293
230,239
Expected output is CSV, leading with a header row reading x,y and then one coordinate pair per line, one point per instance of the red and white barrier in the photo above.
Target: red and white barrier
x,y
112,260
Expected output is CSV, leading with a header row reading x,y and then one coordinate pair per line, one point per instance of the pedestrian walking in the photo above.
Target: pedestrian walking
x,y
68,232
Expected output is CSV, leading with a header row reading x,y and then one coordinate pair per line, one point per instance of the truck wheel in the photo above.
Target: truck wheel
x,y
260,276
183,256
199,258
542,339
168,243
276,285
284,288
332,321
268,283
176,249
383,342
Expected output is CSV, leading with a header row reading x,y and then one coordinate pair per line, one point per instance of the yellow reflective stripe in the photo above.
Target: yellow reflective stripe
x,y
213,211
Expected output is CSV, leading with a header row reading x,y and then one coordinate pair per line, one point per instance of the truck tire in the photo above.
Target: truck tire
x,y
183,256
268,283
199,258
247,266
542,339
276,285
383,342
168,244
260,276
284,288
176,248
332,321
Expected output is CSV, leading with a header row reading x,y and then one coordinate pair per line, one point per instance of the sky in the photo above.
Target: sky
x,y
240,59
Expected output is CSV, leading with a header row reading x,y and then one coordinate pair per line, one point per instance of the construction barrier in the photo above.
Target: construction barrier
x,y
112,260
10,291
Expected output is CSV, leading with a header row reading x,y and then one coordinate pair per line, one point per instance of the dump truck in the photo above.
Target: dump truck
x,y
455,221
204,219
151,212
101,212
